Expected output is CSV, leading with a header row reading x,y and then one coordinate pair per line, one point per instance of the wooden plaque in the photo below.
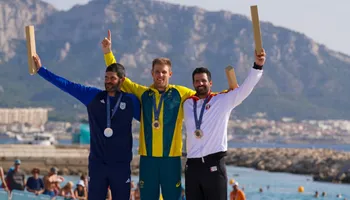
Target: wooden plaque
x,y
31,48
256,28
231,77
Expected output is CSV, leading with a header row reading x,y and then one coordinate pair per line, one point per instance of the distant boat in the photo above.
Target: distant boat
x,y
10,134
45,139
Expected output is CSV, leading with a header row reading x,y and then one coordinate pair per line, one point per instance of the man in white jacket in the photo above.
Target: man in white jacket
x,y
206,117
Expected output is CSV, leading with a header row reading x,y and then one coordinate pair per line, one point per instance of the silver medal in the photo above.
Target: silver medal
x,y
108,132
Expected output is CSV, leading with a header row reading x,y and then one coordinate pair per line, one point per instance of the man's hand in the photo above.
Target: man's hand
x,y
37,62
260,58
107,43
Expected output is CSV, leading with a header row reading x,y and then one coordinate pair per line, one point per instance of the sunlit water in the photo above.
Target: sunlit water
x,y
282,185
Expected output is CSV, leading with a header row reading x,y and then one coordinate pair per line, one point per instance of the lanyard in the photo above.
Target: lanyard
x,y
156,109
196,120
109,117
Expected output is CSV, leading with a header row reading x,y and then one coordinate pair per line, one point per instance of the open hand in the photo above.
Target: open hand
x,y
107,43
260,57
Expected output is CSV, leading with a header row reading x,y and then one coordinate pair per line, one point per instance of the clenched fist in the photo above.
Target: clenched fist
x,y
260,57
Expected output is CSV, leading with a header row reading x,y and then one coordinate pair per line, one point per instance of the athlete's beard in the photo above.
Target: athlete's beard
x,y
202,91
112,87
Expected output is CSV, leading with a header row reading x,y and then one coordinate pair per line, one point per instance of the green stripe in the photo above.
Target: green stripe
x,y
172,104
147,103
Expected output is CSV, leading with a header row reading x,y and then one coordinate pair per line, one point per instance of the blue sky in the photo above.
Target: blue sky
x,y
324,21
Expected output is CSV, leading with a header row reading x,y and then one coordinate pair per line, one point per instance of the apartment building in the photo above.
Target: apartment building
x,y
32,116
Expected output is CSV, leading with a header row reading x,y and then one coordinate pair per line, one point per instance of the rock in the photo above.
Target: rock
x,y
65,171
325,165
260,165
322,162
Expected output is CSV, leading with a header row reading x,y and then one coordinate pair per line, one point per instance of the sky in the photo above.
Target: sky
x,y
324,21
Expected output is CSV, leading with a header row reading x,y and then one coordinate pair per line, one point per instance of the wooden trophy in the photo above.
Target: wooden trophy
x,y
256,28
231,77
31,49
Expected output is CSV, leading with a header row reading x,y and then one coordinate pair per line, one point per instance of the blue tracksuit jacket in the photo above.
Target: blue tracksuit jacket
x,y
113,150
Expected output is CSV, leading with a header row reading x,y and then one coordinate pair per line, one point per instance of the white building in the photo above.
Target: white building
x,y
33,116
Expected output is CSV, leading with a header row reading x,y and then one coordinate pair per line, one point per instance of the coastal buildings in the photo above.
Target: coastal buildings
x,y
33,116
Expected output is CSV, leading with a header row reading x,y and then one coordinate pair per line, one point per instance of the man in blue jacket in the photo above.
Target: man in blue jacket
x,y
110,114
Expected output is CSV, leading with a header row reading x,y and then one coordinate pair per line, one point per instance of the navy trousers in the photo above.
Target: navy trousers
x,y
115,176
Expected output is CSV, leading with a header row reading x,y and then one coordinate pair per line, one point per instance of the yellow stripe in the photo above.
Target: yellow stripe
x,y
176,144
142,141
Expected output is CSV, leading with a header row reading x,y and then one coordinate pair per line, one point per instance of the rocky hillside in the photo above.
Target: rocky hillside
x,y
14,16
302,79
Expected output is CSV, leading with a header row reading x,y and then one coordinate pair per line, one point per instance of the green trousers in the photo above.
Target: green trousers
x,y
160,173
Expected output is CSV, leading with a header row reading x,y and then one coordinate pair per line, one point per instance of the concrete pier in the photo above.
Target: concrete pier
x,y
70,161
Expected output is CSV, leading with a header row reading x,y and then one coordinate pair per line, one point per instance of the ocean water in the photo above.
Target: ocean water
x,y
282,186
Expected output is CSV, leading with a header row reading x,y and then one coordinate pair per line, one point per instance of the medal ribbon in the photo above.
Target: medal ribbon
x,y
109,117
196,120
156,110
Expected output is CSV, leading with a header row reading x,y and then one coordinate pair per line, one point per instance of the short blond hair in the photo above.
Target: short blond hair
x,y
161,61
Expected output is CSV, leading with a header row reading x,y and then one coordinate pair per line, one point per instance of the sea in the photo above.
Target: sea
x,y
275,186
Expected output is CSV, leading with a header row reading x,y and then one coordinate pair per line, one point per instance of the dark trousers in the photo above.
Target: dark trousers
x,y
206,179
116,176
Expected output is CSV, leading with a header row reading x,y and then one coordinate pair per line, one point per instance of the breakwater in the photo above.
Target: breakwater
x,y
323,164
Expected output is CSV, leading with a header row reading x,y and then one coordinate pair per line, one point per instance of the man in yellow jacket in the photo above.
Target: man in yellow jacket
x,y
160,128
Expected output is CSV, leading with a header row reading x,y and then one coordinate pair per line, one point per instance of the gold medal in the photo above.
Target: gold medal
x,y
198,133
156,124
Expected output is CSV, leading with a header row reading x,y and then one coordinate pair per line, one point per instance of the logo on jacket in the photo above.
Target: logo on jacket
x,y
207,106
122,105
102,101
178,184
213,169
141,183
169,93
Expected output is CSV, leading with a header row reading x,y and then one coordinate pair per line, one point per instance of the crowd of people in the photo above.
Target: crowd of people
x,y
49,184
324,194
